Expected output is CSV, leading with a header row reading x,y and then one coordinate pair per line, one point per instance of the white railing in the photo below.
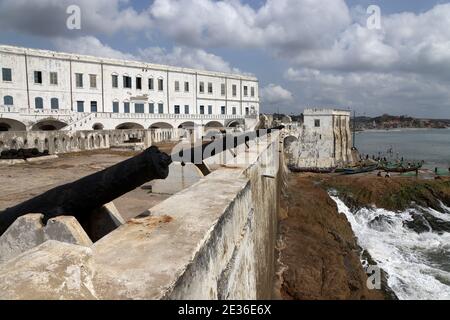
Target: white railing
x,y
112,115
77,116
8,109
46,112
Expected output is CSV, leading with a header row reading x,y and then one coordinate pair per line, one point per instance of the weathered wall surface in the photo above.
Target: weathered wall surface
x,y
214,240
57,142
324,140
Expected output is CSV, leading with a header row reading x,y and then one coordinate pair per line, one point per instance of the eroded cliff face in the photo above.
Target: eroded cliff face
x,y
319,256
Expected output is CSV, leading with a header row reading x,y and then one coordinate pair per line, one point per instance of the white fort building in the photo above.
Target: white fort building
x,y
46,90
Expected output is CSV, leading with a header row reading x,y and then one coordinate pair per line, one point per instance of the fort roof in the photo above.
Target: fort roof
x,y
119,62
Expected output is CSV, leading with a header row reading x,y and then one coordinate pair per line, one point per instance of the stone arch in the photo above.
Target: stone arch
x,y
214,128
161,125
98,126
214,124
187,125
289,140
129,125
48,125
11,125
234,124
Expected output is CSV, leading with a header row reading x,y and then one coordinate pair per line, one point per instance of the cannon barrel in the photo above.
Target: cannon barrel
x,y
197,154
81,197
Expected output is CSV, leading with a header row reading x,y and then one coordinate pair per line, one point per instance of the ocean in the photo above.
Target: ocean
x,y
417,262
430,145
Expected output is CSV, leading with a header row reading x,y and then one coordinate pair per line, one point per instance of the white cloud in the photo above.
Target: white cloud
x,y
372,92
187,57
332,57
178,56
89,45
282,25
274,94
48,17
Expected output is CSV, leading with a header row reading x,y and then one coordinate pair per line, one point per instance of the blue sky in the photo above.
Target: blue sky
x,y
304,52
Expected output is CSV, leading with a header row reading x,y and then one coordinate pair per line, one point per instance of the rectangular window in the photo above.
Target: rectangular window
x,y
79,80
223,110
139,108
115,81
202,109
177,110
186,109
252,90
54,78
245,91
160,84
127,82
160,108
222,89
126,107
54,103
186,86
93,81
177,86
38,77
151,108
234,89
80,106
93,106
39,103
247,111
202,87
210,87
234,110
116,107
209,109
317,123
138,83
6,74
151,85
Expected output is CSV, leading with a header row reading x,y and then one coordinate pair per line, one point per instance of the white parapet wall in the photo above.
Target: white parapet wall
x,y
58,142
214,240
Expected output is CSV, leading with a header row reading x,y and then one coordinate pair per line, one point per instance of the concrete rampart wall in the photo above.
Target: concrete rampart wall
x,y
57,142
214,240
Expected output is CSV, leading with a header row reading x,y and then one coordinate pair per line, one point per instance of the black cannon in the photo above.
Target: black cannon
x,y
197,154
81,197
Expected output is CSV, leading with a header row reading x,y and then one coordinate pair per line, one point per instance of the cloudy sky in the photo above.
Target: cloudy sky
x,y
304,52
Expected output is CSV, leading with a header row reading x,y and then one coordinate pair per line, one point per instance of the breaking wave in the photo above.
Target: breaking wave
x,y
412,247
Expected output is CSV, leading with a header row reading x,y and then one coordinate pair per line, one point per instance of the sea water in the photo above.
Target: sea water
x,y
417,263
430,145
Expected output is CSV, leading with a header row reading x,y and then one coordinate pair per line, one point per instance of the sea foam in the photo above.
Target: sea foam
x,y
417,264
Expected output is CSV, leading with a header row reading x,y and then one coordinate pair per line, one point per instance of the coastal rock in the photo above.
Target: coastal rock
x,y
320,257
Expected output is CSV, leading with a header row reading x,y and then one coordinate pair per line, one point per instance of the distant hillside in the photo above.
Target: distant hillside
x,y
395,122
384,122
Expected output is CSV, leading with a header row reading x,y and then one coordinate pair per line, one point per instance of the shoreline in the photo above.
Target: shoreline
x,y
401,130
319,242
